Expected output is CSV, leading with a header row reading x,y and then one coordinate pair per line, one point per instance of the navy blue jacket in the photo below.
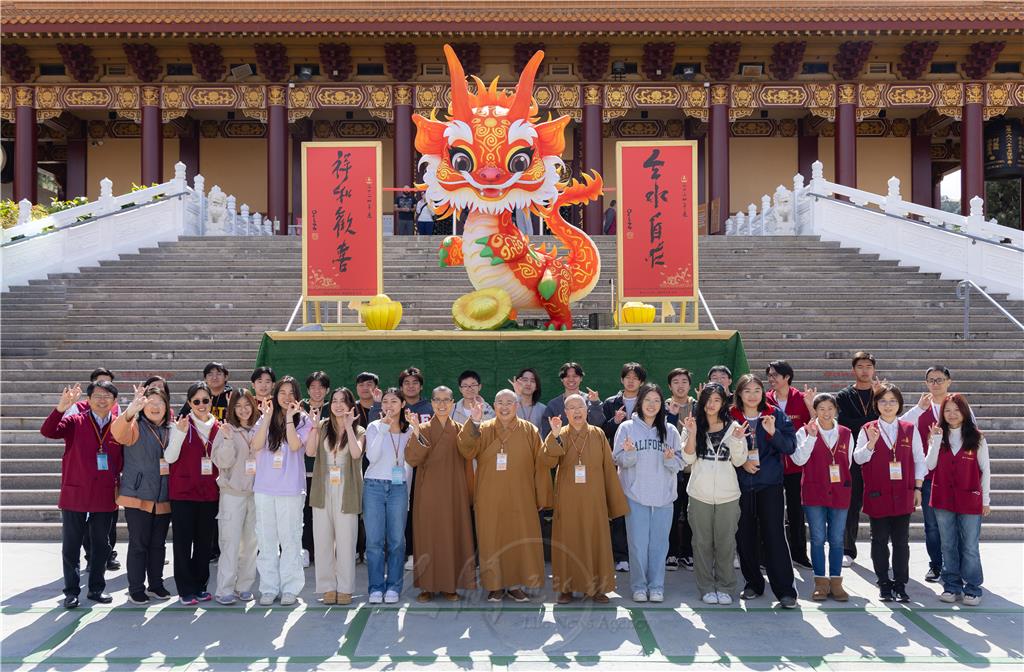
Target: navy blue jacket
x,y
770,451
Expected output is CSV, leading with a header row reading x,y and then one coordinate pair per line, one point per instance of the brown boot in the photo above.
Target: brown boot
x,y
821,588
836,586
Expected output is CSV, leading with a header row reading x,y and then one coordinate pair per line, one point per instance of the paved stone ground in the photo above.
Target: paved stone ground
x,y
863,634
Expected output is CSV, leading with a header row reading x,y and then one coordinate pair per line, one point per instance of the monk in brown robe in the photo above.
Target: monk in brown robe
x,y
441,526
587,495
512,485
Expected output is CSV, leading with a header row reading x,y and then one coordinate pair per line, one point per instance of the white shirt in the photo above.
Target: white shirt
x,y
381,444
461,415
956,442
863,452
805,444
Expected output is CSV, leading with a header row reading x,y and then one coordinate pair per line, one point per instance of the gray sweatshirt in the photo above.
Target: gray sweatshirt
x,y
647,477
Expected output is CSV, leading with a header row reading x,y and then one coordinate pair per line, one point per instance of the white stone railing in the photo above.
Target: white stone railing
x,y
955,246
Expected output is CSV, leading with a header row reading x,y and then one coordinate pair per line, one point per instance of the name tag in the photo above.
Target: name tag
x,y
502,464
206,467
165,469
581,473
833,473
753,456
334,474
895,471
279,459
101,462
397,474
250,467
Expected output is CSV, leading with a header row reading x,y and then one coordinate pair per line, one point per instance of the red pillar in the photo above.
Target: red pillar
x,y
152,137
718,157
806,149
403,154
25,137
188,148
846,138
302,131
593,157
920,165
277,158
972,139
78,154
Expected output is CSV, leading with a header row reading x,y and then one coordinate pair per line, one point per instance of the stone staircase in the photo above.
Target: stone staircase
x,y
169,310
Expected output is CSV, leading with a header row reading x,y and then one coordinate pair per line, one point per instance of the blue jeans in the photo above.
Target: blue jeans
x,y
961,557
647,530
828,524
932,542
385,507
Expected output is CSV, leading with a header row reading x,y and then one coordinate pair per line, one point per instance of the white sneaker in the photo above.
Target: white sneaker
x,y
710,598
639,596
305,558
735,562
376,597
657,596
948,597
724,598
972,600
287,600
621,566
409,564
390,597
847,561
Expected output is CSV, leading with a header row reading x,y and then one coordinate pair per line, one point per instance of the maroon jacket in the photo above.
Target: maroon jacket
x,y
796,411
83,487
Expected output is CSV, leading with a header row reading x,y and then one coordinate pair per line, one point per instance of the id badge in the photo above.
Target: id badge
x,y
895,471
279,460
502,464
334,474
753,456
833,473
250,467
206,467
165,468
581,473
397,474
101,462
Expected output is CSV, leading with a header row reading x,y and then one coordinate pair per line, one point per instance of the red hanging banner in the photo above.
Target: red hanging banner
x,y
341,222
657,220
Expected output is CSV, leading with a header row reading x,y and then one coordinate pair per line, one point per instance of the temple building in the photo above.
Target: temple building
x,y
911,88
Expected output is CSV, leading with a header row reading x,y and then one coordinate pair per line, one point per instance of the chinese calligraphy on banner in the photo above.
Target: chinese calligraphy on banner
x,y
657,220
341,237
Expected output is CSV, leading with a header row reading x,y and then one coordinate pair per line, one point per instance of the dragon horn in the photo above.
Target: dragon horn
x,y
461,108
520,108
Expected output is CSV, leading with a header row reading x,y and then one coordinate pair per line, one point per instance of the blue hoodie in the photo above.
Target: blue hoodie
x,y
646,476
770,451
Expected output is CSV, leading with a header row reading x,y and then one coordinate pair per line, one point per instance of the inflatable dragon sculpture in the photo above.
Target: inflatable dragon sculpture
x,y
491,156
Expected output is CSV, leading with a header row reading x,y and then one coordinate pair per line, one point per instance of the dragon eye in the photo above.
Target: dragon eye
x,y
461,160
520,161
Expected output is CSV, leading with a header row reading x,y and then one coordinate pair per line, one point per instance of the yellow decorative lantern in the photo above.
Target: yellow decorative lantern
x,y
634,312
381,313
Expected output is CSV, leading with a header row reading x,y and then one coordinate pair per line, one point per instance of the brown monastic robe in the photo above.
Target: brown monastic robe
x,y
506,502
581,548
441,526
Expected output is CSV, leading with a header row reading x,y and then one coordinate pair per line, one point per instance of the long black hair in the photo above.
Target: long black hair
x,y
659,417
332,433
277,434
969,432
702,416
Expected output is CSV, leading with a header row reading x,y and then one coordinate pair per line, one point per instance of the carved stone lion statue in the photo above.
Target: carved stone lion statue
x,y
216,212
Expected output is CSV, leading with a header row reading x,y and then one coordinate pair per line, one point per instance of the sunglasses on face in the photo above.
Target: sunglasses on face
x,y
200,402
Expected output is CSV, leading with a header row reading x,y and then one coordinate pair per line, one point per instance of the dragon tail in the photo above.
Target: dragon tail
x,y
583,258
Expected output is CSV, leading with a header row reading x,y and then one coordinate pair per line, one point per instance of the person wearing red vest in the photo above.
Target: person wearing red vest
x,y
194,494
960,497
824,450
88,483
797,407
891,456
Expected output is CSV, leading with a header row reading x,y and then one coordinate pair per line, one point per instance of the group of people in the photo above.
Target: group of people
x,y
644,481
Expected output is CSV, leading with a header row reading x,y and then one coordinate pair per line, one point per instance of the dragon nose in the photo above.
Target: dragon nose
x,y
490,174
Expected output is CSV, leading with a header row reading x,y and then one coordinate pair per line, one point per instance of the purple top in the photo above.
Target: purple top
x,y
290,479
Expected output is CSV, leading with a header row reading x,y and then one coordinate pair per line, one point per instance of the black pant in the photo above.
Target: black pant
x,y
761,511
895,529
147,536
307,521
680,536
194,523
796,531
620,544
76,526
113,539
853,513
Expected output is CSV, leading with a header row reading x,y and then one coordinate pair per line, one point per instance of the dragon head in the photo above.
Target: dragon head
x,y
491,154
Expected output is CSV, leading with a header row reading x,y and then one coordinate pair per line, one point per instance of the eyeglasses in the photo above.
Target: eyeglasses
x,y
200,402
102,397
936,381
469,386
887,401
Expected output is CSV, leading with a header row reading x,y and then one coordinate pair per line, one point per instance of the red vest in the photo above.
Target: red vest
x,y
884,497
816,487
796,411
186,481
924,428
956,482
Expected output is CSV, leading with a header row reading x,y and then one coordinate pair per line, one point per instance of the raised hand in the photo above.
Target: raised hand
x,y
517,386
378,394
266,407
348,420
69,397
182,423
592,395
556,424
876,384
386,416
769,423
809,394
414,421
873,434
627,445
690,424
138,401
935,429
741,431
293,408
925,401
812,428
476,411
620,415
314,416
700,388
672,406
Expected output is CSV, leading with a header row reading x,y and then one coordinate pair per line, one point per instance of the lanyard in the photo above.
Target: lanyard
x,y
96,429
833,448
207,444
574,446
162,442
860,400
394,444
